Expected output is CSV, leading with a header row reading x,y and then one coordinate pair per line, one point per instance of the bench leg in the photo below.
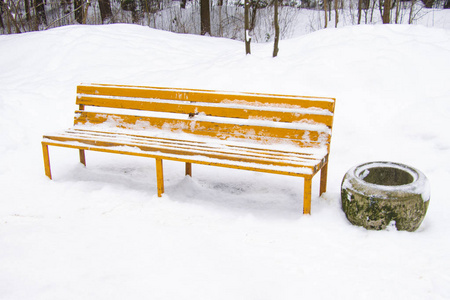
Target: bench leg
x,y
82,157
188,169
307,196
46,161
323,179
159,176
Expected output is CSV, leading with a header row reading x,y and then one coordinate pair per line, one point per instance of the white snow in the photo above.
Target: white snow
x,y
102,233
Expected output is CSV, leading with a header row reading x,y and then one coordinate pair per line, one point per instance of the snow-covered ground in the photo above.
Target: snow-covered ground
x,y
101,233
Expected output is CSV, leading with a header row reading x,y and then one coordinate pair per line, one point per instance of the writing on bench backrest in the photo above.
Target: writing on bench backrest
x,y
306,121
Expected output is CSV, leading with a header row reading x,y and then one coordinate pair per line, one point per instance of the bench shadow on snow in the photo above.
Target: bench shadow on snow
x,y
243,194
225,190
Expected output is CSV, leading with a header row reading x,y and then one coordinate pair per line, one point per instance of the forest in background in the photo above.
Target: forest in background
x,y
233,19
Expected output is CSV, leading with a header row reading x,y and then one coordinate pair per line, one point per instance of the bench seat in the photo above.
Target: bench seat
x,y
237,155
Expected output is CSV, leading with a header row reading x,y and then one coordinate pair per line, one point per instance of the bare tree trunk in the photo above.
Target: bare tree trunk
x,y
40,11
387,12
3,9
8,22
330,3
372,10
397,11
2,25
428,3
205,19
85,11
105,9
325,8
254,6
77,7
336,15
27,11
359,11
277,28
411,12
248,39
447,4
10,19
220,5
380,7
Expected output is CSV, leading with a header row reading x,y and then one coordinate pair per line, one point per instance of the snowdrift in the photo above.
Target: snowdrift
x,y
101,233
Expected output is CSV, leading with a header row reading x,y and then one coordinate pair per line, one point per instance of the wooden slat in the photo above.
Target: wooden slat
x,y
301,157
301,172
312,116
195,145
201,90
205,96
146,147
211,129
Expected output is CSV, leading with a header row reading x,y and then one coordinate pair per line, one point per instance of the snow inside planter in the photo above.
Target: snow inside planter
x,y
375,194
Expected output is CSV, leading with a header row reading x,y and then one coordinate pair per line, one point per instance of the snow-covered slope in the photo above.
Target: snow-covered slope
x,y
101,233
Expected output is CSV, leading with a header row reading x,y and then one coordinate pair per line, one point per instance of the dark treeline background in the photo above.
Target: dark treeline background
x,y
223,18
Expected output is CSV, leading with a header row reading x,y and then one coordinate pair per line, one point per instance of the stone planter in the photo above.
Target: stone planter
x,y
376,193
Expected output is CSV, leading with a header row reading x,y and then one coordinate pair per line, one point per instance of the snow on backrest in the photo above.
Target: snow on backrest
x,y
306,121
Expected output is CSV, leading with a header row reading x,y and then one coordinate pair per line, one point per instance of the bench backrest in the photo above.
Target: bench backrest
x,y
305,121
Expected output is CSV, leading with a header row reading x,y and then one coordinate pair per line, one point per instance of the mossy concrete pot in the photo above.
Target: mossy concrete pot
x,y
376,193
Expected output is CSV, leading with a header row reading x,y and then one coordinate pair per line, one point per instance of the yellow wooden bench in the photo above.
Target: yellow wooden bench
x,y
277,134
